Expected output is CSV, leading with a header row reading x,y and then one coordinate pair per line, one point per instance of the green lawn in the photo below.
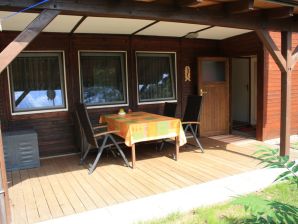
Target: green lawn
x,y
294,145
279,202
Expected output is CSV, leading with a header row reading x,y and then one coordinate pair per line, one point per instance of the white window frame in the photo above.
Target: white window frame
x,y
175,77
126,79
38,111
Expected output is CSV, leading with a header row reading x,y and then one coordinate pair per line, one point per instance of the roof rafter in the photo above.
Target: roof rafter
x,y
273,49
239,6
279,13
294,57
26,36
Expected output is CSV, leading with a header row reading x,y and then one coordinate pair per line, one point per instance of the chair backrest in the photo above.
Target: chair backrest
x,y
86,124
193,108
169,109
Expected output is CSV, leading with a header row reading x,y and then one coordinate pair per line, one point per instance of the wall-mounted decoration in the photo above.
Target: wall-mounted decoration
x,y
187,74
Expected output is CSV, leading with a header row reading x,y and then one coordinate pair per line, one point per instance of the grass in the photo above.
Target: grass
x,y
294,145
280,200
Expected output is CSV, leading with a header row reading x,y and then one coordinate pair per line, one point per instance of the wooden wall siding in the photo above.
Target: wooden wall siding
x,y
246,45
55,129
272,88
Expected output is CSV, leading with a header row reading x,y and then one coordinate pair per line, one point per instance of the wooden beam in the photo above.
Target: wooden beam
x,y
4,183
186,3
25,37
163,12
273,49
239,6
78,24
279,13
286,94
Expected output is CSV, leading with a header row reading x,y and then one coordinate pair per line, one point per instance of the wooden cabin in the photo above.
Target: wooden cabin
x,y
60,53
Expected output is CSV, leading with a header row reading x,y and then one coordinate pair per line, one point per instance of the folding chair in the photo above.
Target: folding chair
x,y
190,121
101,139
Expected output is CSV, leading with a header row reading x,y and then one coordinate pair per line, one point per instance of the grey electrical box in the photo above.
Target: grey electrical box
x,y
21,150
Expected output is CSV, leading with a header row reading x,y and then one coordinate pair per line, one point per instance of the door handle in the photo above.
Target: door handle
x,y
202,92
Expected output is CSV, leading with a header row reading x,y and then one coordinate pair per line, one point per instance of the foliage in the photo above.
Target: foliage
x,y
266,211
294,145
271,159
276,204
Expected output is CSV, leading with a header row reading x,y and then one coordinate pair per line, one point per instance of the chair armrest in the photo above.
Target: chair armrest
x,y
105,133
190,122
100,126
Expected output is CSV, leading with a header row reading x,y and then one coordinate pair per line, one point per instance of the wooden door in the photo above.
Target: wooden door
x,y
213,84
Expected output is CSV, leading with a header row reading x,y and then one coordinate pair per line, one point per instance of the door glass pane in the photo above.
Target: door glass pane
x,y
213,71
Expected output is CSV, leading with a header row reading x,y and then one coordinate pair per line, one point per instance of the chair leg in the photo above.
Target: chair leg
x,y
162,145
85,155
196,138
92,167
119,149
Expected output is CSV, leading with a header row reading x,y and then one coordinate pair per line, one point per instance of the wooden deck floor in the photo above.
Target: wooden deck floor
x,y
62,187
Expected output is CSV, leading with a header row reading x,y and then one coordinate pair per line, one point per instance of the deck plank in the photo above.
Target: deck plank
x,y
55,210
63,201
18,205
67,188
63,187
76,185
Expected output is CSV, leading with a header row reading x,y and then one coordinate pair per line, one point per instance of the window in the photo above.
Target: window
x,y
103,78
37,82
156,77
213,71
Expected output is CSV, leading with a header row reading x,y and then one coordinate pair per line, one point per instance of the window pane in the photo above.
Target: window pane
x,y
103,78
213,71
156,77
37,82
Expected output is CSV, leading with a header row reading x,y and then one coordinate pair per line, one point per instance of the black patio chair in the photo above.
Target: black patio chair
x,y
97,137
190,120
169,109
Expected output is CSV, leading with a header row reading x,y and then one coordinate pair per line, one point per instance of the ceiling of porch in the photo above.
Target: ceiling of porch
x,y
106,25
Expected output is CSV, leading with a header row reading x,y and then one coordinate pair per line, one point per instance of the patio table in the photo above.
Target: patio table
x,y
142,126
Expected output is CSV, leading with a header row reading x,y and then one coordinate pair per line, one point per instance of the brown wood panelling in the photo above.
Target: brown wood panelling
x,y
272,88
55,129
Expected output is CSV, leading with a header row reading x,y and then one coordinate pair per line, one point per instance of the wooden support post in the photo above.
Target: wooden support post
x,y
5,210
285,61
25,37
286,84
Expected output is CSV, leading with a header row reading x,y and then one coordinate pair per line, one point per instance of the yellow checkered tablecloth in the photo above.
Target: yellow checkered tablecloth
x,y
141,126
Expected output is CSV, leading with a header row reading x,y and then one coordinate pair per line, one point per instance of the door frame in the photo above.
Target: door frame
x,y
227,81
231,88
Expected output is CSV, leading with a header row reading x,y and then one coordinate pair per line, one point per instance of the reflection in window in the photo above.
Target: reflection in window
x,y
156,76
36,81
103,76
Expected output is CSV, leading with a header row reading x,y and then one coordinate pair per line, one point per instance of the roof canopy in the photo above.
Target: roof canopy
x,y
243,14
